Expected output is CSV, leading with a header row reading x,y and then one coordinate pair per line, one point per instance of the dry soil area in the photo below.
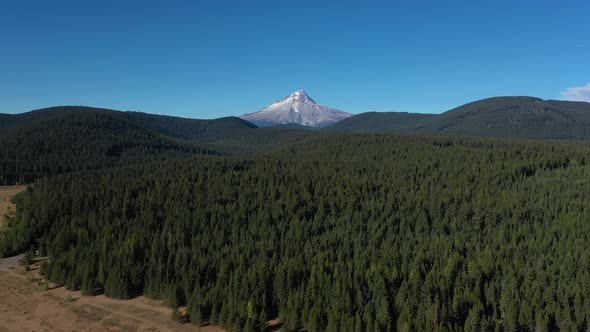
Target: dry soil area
x,y
26,306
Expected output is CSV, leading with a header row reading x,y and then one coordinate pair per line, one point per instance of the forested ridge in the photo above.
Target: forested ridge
x,y
516,117
63,140
336,233
67,139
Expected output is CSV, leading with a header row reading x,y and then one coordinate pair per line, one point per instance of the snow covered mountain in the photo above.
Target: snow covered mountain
x,y
296,108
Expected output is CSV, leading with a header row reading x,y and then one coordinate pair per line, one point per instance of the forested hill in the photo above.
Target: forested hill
x,y
509,117
337,233
60,140
64,139
167,125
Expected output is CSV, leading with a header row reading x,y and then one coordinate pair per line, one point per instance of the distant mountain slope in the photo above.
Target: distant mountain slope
x,y
65,139
524,117
228,135
511,117
72,138
297,108
381,122
8,120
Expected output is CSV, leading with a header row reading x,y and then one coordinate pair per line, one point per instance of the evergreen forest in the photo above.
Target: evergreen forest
x,y
336,232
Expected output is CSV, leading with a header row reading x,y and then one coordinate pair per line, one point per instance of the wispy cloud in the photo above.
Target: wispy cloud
x,y
581,93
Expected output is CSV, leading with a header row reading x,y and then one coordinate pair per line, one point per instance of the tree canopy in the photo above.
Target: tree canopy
x,y
336,233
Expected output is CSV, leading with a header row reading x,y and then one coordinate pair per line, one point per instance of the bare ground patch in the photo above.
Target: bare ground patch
x,y
24,306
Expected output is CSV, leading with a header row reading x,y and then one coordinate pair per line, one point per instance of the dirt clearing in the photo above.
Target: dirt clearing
x,y
25,306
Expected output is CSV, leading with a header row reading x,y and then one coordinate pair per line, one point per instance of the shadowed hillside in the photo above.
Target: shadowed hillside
x,y
525,117
382,122
73,138
510,117
192,129
66,139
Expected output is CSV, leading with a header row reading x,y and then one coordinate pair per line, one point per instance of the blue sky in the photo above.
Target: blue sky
x,y
205,59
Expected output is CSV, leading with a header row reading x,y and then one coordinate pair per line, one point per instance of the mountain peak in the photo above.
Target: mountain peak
x,y
298,93
299,96
296,108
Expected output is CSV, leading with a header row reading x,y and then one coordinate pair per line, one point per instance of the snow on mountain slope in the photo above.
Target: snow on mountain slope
x,y
297,108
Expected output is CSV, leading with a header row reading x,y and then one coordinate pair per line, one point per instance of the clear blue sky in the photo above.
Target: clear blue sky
x,y
207,58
